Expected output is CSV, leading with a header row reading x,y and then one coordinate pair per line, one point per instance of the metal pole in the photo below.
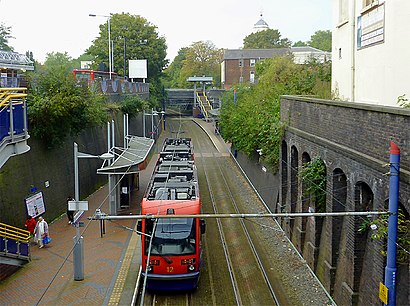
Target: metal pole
x,y
390,271
125,60
112,55
143,122
109,44
152,123
244,216
78,255
125,129
111,179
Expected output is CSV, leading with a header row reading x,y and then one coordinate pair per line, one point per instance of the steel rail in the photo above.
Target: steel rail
x,y
248,236
223,240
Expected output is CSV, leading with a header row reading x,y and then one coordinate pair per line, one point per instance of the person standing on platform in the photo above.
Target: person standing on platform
x,y
41,231
30,225
70,213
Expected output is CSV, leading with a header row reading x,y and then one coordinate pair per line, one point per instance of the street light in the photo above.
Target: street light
x,y
78,256
109,39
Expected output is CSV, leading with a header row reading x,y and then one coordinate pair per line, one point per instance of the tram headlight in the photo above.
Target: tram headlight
x,y
191,268
149,268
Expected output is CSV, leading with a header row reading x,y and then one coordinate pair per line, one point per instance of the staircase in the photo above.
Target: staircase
x,y
204,104
14,249
13,123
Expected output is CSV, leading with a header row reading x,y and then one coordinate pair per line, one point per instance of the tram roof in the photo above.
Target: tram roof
x,y
131,159
191,207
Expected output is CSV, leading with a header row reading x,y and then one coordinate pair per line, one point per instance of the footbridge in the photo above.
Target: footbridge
x,y
13,123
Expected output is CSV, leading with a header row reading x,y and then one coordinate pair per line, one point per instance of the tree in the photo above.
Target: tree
x,y
253,123
300,44
321,40
201,58
5,35
133,37
266,39
57,107
172,72
59,60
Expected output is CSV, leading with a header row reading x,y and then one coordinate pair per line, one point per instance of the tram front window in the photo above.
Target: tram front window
x,y
173,236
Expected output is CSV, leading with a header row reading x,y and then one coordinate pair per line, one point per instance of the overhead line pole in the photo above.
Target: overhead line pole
x,y
99,216
391,265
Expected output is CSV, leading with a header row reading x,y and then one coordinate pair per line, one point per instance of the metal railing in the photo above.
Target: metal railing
x,y
202,106
13,115
15,233
14,242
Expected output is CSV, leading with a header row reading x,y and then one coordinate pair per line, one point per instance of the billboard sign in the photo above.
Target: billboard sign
x,y
137,69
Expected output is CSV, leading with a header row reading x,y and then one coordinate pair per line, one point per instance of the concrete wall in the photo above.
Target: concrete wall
x,y
376,73
266,183
353,141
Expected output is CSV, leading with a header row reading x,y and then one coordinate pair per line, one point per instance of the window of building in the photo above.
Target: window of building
x,y
241,79
369,2
252,62
241,63
252,77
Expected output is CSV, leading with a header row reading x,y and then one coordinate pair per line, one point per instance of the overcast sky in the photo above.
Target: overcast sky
x,y
45,26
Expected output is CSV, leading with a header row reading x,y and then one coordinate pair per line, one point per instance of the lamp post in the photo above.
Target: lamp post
x,y
110,57
81,206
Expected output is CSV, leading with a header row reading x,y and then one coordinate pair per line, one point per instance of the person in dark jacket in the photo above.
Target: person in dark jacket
x,y
70,213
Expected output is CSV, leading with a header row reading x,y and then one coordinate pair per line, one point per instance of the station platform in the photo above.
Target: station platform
x,y
111,262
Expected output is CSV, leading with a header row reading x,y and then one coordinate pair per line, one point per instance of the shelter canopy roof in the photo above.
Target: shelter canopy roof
x,y
131,159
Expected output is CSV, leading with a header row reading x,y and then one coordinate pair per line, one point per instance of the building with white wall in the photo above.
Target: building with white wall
x,y
370,47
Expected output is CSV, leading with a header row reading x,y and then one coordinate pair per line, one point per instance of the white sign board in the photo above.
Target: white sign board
x,y
86,64
137,69
77,205
35,205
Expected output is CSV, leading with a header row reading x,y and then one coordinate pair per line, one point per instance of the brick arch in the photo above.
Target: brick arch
x,y
339,197
294,183
319,221
284,176
363,201
306,203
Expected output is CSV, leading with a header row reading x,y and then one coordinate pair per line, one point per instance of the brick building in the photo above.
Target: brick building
x,y
239,65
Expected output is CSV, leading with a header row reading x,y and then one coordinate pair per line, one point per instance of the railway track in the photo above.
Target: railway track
x,y
232,270
247,274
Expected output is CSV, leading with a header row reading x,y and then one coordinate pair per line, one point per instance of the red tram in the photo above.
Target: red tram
x,y
171,247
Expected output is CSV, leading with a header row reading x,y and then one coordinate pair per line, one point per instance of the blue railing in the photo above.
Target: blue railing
x,y
13,114
14,242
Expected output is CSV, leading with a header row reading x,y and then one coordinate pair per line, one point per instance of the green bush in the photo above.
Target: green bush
x,y
58,107
253,123
132,105
313,177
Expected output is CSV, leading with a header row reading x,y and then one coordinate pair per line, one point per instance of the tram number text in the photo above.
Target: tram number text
x,y
170,269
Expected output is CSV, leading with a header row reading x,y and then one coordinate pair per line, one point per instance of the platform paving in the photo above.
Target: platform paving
x,y
49,278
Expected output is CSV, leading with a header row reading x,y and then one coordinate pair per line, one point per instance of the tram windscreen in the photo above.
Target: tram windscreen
x,y
173,236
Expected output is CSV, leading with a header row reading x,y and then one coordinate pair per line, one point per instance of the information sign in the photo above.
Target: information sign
x,y
383,293
35,205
